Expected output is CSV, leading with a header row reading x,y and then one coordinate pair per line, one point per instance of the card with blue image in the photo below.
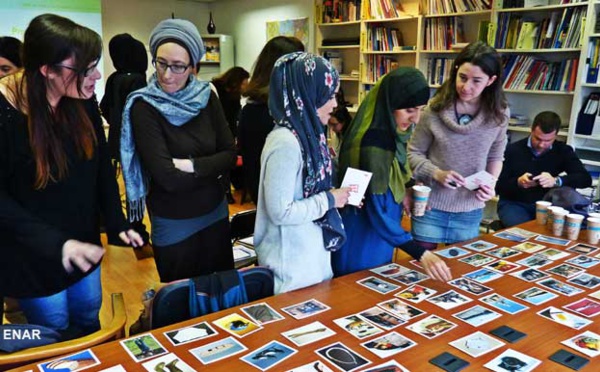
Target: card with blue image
x,y
269,355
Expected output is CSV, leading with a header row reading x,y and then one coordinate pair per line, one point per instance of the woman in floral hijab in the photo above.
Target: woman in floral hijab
x,y
297,223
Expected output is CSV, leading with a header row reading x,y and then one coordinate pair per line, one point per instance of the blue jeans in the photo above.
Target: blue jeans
x,y
76,307
438,226
513,213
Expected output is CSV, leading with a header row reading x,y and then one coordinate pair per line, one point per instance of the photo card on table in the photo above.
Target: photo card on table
x,y
503,266
477,259
357,326
237,325
342,357
314,366
470,286
431,327
401,309
378,285
535,295
477,344
381,318
477,315
416,293
583,261
522,232
483,275
388,344
582,248
75,362
587,343
410,277
503,303
560,287
170,362
512,360
529,247
586,280
564,317
269,355
586,307
452,252
480,245
552,240
309,333
390,270
503,252
534,261
530,274
191,333
306,308
218,350
449,300
510,236
262,313
142,347
554,254
565,270
389,366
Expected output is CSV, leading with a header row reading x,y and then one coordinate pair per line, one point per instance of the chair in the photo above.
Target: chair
x,y
171,302
242,224
112,331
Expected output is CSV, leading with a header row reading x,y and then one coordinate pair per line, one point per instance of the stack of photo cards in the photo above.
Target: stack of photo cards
x,y
449,300
477,344
585,306
237,325
169,362
305,309
268,355
477,315
74,362
378,285
416,293
343,357
503,303
587,343
452,252
357,326
535,296
262,313
400,309
314,366
563,317
512,360
480,246
388,345
477,259
191,333
308,334
431,327
143,347
218,350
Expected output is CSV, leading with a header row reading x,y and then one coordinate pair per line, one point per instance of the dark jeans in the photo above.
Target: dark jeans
x,y
512,213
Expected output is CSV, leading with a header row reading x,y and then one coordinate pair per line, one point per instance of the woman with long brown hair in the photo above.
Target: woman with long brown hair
x,y
56,179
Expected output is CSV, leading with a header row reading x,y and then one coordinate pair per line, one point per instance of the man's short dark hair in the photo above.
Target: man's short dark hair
x,y
547,121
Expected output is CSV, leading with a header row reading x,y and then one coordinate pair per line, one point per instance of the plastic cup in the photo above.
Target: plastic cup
x,y
593,227
558,222
420,197
541,211
550,212
573,225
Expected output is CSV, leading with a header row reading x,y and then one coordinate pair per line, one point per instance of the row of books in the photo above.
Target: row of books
x,y
592,61
455,6
559,31
438,70
443,33
339,11
383,39
382,9
509,4
378,65
524,72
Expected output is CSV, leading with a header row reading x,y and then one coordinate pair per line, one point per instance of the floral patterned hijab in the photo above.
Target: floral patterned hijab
x,y
301,83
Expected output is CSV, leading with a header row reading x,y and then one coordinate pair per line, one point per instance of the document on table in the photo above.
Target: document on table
x,y
358,181
480,178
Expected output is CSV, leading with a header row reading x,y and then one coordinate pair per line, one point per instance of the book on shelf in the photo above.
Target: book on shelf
x,y
527,35
212,50
591,62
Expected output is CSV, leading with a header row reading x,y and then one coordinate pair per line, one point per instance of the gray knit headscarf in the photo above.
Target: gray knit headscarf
x,y
182,31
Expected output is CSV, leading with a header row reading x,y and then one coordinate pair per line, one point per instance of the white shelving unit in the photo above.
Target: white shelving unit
x,y
219,57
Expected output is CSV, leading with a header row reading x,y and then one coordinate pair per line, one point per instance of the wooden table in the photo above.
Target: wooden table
x,y
345,297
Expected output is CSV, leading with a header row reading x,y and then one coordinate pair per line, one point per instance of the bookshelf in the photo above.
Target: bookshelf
x,y
549,43
219,56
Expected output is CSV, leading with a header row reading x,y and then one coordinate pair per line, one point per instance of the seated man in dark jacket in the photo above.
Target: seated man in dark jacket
x,y
532,167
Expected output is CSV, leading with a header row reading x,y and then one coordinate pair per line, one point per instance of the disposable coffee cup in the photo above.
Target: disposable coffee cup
x,y
420,197
594,215
550,211
573,225
558,222
593,230
541,211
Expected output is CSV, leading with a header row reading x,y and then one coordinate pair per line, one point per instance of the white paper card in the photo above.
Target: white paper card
x,y
357,180
480,178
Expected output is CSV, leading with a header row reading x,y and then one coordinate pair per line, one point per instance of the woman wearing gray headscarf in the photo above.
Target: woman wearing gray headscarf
x,y
175,145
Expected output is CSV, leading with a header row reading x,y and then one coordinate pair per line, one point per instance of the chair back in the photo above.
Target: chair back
x,y
259,282
114,330
242,224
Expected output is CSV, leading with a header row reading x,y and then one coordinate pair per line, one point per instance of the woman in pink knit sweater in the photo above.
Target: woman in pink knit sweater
x,y
462,132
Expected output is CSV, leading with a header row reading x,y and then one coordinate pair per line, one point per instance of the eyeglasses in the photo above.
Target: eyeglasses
x,y
163,66
87,72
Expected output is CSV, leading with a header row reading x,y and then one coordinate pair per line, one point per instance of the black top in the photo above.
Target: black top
x,y
231,106
255,125
519,159
205,139
118,87
34,224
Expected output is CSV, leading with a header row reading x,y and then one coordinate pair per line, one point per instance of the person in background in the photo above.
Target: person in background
x,y
255,120
532,166
56,179
10,55
375,141
297,223
130,60
175,139
337,126
462,132
229,88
